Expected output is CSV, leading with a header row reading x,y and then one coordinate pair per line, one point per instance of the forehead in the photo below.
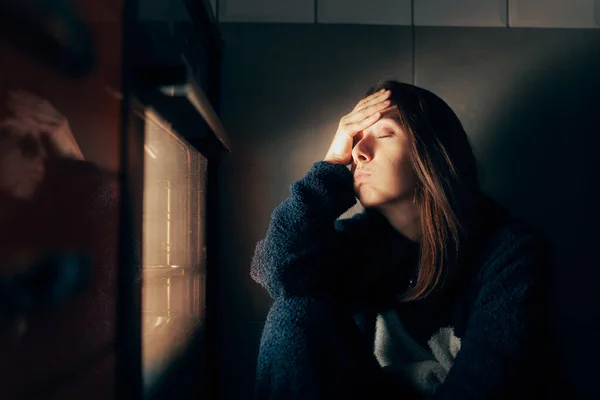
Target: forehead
x,y
390,112
389,118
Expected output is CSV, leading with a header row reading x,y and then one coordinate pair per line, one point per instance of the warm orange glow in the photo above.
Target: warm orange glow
x,y
173,246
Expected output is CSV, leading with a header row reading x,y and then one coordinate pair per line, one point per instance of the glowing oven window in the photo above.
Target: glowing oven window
x,y
173,291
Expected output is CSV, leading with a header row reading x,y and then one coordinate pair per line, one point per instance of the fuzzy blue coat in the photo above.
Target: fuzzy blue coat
x,y
498,309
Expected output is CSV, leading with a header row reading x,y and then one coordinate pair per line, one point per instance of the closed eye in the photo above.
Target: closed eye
x,y
385,133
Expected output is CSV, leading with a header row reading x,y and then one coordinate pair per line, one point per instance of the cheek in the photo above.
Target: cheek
x,y
406,178
14,168
408,172
10,165
25,190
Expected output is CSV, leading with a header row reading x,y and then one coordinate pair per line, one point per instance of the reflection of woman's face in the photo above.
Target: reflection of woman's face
x,y
21,164
382,151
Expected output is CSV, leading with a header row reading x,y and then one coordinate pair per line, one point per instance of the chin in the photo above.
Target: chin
x,y
369,200
25,192
374,198
369,204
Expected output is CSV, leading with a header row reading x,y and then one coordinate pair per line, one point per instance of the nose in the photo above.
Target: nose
x,y
361,152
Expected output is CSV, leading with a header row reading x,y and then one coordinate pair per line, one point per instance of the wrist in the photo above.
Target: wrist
x,y
333,160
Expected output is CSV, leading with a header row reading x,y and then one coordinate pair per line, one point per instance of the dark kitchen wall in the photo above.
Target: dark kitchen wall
x,y
527,98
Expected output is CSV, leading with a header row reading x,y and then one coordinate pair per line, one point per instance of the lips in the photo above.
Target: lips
x,y
37,176
361,176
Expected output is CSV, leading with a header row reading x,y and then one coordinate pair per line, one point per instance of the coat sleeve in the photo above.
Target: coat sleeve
x,y
305,243
501,354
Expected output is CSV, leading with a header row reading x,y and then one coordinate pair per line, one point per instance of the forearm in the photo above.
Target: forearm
x,y
302,235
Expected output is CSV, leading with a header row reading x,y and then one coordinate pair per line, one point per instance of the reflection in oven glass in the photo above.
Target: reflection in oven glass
x,y
173,248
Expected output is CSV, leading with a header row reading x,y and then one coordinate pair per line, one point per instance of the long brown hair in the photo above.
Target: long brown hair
x,y
447,183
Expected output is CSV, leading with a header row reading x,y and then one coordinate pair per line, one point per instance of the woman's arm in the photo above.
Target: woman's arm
x,y
305,245
505,349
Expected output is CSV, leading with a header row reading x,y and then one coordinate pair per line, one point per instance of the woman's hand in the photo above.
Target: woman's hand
x,y
365,114
39,117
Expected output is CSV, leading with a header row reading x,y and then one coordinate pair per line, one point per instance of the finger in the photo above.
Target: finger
x,y
17,101
16,126
40,110
372,98
33,107
27,126
366,111
363,124
37,118
32,100
379,98
22,96
365,99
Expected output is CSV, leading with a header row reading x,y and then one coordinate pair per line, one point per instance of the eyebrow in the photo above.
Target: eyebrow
x,y
387,127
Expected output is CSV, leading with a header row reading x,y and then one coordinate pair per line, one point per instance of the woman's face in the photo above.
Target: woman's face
x,y
21,164
381,152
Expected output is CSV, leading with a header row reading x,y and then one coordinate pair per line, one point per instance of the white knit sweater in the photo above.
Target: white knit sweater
x,y
397,352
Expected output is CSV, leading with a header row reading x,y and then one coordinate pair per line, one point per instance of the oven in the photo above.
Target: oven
x,y
109,142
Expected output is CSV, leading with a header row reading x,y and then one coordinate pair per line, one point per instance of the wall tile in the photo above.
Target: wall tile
x,y
555,13
294,11
461,13
374,12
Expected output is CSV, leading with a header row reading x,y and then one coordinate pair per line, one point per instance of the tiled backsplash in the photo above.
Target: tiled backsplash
x,y
467,13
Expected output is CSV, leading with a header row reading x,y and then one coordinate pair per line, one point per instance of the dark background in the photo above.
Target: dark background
x,y
528,99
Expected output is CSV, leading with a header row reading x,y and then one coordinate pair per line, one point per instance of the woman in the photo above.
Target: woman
x,y
56,342
33,131
434,291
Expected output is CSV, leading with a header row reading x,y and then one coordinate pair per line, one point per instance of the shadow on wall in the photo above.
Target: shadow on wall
x,y
544,165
